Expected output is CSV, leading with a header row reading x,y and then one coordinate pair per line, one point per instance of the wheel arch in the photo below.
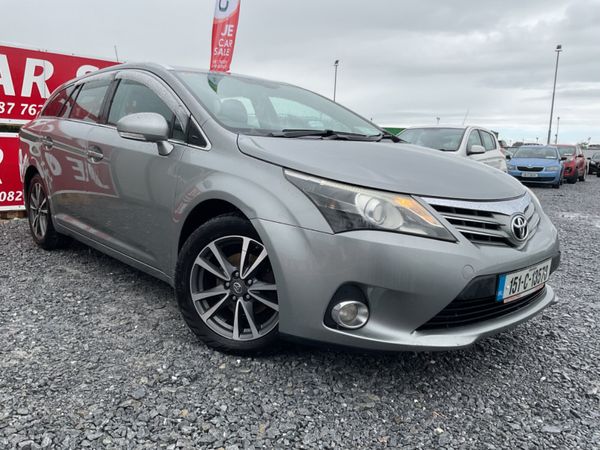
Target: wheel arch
x,y
202,213
29,174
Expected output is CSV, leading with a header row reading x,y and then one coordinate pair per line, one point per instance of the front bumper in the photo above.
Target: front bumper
x,y
407,281
541,178
569,171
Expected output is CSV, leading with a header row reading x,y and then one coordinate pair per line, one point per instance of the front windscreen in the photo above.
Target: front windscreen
x,y
259,107
446,139
566,150
536,152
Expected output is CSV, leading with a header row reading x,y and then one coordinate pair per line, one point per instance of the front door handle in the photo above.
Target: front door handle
x,y
47,142
95,154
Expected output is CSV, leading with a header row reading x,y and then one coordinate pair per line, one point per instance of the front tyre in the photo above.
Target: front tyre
x,y
226,288
40,217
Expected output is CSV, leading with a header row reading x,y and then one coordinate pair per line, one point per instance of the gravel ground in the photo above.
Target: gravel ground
x,y
95,354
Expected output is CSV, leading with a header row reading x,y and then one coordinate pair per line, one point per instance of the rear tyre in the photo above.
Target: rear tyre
x,y
598,173
573,179
226,288
582,177
40,217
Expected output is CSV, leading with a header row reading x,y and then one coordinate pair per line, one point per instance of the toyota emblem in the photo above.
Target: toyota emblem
x,y
518,225
237,287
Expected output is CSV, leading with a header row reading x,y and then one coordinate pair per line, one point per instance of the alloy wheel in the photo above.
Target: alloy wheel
x,y
38,211
233,288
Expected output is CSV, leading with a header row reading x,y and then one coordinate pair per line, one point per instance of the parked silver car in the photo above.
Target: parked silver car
x,y
472,142
275,211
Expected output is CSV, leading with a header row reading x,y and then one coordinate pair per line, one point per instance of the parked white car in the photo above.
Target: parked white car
x,y
471,142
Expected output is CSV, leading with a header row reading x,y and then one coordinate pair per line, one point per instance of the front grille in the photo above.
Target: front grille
x,y
487,222
461,312
530,169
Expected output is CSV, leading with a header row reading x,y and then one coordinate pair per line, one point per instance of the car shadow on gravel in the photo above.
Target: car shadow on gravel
x,y
476,357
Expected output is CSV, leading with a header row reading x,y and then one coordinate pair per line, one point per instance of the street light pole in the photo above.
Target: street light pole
x,y
335,65
557,125
558,50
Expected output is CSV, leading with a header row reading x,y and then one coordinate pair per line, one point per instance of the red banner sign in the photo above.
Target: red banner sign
x,y
11,187
28,77
225,25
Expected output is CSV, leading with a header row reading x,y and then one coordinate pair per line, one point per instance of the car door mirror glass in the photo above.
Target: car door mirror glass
x,y
476,149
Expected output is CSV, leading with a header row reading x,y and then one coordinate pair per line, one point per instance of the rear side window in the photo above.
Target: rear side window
x,y
56,105
88,103
488,140
133,97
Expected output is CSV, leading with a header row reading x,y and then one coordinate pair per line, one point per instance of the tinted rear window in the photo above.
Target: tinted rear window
x,y
88,103
56,105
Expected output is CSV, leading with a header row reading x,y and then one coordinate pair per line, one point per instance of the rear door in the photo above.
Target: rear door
x,y
134,217
492,155
66,152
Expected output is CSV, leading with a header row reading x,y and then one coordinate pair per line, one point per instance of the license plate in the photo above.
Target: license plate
x,y
514,285
529,175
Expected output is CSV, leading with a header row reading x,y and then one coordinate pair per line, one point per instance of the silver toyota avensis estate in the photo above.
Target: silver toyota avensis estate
x,y
275,211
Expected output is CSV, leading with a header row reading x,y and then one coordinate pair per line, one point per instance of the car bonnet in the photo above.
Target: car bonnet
x,y
400,168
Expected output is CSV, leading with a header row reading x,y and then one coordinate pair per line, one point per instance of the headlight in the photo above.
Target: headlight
x,y
511,167
347,207
552,168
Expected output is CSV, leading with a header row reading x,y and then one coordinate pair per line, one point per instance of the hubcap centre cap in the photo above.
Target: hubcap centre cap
x,y
237,287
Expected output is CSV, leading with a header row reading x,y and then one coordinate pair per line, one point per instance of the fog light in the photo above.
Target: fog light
x,y
350,314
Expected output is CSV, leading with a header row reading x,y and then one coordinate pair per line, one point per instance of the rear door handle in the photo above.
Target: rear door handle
x,y
95,154
47,142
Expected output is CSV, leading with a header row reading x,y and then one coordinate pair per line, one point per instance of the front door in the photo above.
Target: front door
x,y
136,218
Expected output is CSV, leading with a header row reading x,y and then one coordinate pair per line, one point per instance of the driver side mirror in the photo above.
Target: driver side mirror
x,y
476,150
563,158
507,157
146,127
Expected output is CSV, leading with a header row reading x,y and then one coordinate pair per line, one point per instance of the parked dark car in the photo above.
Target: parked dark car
x,y
594,164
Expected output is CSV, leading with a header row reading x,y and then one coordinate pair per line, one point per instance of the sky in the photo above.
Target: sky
x,y
402,63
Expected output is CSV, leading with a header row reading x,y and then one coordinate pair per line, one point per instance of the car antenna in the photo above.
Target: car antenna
x,y
466,114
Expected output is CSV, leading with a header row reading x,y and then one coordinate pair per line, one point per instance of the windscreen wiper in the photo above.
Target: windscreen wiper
x,y
390,136
325,134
